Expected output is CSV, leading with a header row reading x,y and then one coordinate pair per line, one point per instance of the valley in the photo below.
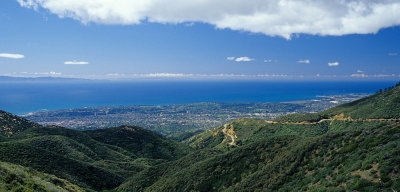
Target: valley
x,y
343,148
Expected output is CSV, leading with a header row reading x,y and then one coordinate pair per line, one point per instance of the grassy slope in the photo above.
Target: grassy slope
x,y
11,124
18,178
382,105
350,160
333,155
95,160
144,143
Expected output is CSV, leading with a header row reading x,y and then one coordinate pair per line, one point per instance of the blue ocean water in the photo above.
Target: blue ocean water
x,y
22,97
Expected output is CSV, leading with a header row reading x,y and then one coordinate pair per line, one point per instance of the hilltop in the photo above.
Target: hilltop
x,y
11,124
341,149
93,160
335,150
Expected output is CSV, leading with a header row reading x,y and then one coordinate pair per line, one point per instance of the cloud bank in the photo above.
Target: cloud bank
x,y
76,63
274,18
11,56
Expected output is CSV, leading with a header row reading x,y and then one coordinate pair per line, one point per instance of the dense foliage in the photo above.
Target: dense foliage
x,y
17,178
325,151
382,105
94,160
11,124
352,147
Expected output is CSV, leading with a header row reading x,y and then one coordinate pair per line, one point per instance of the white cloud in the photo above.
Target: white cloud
x,y
54,73
243,59
275,18
267,60
45,73
392,54
360,71
168,75
357,75
333,64
307,61
230,58
76,62
34,74
11,56
198,76
362,75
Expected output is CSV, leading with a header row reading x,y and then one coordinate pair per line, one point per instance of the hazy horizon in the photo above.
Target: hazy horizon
x,y
192,40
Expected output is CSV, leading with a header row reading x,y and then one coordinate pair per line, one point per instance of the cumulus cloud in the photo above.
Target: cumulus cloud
x,y
275,18
243,59
11,56
307,61
392,54
333,64
230,58
76,62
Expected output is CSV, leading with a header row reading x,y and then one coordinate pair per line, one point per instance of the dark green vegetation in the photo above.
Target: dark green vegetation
x,y
17,178
12,124
325,151
341,149
383,105
94,160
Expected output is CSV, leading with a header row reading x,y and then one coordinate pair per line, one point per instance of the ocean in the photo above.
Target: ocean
x,y
22,97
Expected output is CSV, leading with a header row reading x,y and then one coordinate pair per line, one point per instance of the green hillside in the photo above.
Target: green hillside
x,y
327,151
18,178
142,142
94,160
352,147
382,105
364,160
11,124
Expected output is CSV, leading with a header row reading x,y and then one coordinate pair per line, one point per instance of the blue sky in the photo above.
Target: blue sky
x,y
72,39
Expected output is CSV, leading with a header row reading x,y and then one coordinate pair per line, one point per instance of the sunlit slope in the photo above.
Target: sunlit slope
x,y
11,124
382,105
340,149
365,160
19,178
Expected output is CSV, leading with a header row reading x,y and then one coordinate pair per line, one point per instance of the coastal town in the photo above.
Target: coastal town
x,y
169,119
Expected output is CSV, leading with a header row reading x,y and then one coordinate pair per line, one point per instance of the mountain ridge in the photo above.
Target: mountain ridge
x,y
341,149
329,151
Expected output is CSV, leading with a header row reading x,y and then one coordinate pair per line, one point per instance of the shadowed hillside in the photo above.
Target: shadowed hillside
x,y
94,160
